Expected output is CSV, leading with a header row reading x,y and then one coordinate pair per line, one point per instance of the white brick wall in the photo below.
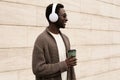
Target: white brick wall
x,y
93,29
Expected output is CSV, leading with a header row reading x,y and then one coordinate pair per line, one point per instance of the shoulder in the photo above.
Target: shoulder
x,y
41,37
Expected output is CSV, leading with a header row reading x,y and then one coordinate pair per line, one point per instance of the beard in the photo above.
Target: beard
x,y
59,24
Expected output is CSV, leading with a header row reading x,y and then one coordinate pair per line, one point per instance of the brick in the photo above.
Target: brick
x,y
15,59
33,33
91,6
83,53
113,2
19,36
114,24
42,3
86,53
73,19
100,52
114,50
9,75
111,75
110,1
116,38
88,37
23,74
114,75
71,5
114,63
116,2
18,14
41,18
87,21
89,68
109,10
13,36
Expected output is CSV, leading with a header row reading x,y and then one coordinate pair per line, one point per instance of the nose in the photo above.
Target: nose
x,y
66,19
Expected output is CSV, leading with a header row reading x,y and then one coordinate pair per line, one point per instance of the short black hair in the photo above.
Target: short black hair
x,y
49,10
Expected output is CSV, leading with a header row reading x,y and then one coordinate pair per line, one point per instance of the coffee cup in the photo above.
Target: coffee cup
x,y
72,53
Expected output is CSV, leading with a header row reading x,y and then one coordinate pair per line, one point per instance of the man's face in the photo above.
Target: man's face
x,y
62,18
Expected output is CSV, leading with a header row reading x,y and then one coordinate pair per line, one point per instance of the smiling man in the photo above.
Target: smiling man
x,y
50,59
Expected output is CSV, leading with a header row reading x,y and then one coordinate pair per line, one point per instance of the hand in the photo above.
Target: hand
x,y
71,61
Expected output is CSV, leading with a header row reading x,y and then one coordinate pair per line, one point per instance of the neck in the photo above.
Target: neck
x,y
54,29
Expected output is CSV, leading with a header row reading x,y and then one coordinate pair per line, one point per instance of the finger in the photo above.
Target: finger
x,y
72,59
73,64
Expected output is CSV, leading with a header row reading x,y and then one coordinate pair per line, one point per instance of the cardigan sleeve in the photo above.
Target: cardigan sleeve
x,y
41,69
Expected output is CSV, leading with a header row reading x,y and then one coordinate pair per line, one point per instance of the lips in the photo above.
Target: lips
x,y
65,23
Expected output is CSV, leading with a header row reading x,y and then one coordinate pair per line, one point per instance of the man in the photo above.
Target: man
x,y
50,60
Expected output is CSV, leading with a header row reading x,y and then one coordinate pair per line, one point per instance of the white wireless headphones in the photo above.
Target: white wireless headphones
x,y
53,17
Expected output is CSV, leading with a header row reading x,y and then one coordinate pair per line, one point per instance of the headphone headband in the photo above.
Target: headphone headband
x,y
54,7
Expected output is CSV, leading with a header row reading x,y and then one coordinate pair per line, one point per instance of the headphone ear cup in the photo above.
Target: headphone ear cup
x,y
53,17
